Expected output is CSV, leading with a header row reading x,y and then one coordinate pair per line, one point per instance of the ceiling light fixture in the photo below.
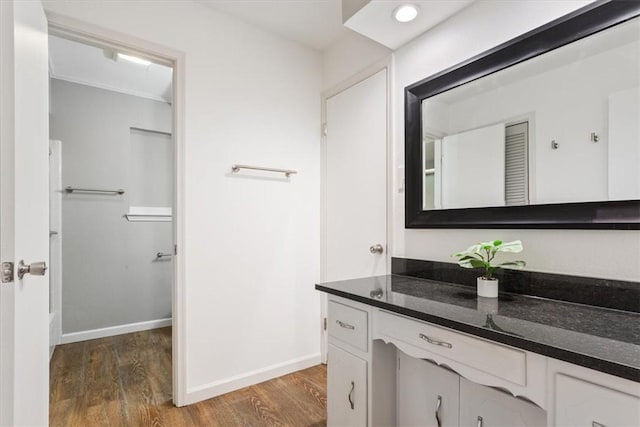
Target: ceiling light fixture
x,y
134,59
405,13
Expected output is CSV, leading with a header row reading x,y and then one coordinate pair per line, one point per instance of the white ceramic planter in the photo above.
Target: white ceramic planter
x,y
487,288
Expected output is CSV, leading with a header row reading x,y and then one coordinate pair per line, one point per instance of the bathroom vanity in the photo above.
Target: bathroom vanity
x,y
408,351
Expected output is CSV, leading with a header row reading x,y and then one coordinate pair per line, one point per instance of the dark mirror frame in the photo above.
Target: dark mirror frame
x,y
622,215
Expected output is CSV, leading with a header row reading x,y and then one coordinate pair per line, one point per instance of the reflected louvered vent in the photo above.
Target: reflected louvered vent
x,y
516,167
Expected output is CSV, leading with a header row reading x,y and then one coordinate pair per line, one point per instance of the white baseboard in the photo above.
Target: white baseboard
x,y
207,391
113,330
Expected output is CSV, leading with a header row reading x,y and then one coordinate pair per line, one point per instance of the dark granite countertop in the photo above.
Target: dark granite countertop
x,y
603,339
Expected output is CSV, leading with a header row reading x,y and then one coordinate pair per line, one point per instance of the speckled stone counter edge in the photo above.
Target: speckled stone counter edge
x,y
607,293
606,366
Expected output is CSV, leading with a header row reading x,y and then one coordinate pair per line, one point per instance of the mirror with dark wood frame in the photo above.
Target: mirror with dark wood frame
x,y
540,132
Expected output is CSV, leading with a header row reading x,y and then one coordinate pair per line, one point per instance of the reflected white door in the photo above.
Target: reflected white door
x,y
24,208
355,182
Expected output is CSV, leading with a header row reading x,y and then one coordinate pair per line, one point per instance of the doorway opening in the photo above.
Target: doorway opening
x,y
112,226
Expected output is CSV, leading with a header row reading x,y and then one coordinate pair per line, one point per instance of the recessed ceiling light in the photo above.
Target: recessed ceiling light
x,y
405,13
134,59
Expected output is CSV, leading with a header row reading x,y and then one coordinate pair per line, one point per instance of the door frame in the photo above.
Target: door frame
x,y
383,64
92,34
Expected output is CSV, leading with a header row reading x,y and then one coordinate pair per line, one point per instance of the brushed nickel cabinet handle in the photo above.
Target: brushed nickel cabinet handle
x,y
479,421
345,325
597,424
435,342
438,405
350,396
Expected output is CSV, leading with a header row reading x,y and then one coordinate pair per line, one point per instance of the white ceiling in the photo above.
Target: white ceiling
x,y
318,23
314,23
375,20
94,66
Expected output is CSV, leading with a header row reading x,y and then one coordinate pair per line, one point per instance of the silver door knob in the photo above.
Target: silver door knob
x,y
36,269
376,249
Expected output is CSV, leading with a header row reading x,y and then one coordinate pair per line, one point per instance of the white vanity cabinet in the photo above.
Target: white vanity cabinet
x,y
361,386
387,369
431,396
583,397
487,407
348,330
347,386
427,394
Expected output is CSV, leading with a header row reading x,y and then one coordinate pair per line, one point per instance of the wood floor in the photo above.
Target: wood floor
x,y
126,381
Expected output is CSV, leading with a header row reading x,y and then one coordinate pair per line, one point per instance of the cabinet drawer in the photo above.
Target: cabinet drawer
x,y
581,403
494,359
348,325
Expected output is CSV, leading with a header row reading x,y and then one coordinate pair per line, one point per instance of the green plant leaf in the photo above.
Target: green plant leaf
x,y
497,243
465,264
471,263
473,256
514,264
515,247
477,263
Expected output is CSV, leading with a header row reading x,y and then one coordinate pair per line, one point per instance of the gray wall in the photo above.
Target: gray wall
x,y
110,275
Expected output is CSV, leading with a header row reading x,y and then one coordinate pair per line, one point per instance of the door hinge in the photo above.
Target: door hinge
x,y
324,324
324,129
175,249
7,272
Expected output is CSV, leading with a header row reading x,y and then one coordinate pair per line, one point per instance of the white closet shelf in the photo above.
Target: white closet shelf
x,y
148,214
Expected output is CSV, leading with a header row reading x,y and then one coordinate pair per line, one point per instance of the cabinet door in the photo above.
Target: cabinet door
x,y
346,389
580,403
487,407
424,390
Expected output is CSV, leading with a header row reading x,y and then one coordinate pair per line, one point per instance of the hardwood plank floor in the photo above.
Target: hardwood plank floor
x,y
126,381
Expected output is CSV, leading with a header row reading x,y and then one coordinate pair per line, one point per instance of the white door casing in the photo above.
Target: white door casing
x,y
55,244
24,201
62,25
354,180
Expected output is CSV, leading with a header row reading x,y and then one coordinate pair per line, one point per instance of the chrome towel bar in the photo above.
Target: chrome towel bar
x,y
92,190
287,172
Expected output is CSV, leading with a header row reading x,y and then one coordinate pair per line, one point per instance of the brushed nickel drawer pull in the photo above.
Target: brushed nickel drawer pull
x,y
435,342
438,405
597,424
479,421
350,396
345,325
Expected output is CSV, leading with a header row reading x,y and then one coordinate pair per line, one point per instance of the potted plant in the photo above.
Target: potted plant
x,y
482,255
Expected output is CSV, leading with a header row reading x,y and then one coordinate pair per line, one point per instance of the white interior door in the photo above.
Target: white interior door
x,y
465,157
355,182
24,213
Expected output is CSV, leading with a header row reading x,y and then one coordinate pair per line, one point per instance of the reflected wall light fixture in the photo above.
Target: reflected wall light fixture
x,y
133,59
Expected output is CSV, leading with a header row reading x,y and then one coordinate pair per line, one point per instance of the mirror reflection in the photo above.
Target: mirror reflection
x,y
559,128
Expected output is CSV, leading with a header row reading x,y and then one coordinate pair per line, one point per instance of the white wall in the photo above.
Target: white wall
x,y
562,251
252,245
599,253
110,276
348,56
